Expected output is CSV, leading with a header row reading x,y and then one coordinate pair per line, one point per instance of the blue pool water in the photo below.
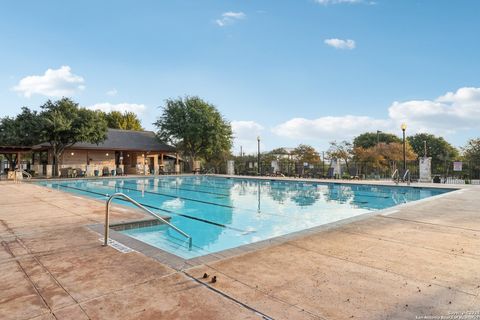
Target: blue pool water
x,y
222,213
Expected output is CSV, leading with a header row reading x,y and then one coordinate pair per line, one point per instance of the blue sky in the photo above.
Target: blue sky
x,y
290,71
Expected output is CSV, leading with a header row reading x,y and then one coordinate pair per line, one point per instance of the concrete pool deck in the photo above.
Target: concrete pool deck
x,y
416,260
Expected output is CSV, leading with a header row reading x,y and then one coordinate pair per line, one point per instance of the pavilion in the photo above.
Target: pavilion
x,y
135,152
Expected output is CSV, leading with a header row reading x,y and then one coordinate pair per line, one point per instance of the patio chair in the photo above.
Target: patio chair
x,y
197,171
120,171
64,173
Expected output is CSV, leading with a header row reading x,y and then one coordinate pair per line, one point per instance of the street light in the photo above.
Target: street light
x,y
404,127
378,136
258,155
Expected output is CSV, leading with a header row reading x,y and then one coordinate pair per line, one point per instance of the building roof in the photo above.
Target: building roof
x,y
127,140
14,149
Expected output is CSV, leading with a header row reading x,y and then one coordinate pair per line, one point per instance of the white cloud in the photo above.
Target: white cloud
x,y
112,92
327,128
340,43
122,107
245,134
447,114
230,18
53,83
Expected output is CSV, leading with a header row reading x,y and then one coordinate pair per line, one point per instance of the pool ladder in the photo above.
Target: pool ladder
x,y
127,198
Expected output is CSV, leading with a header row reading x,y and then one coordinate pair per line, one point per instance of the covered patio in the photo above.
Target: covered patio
x,y
123,152
13,156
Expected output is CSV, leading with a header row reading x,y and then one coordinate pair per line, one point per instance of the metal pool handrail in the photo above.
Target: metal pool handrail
x,y
29,176
124,196
407,173
395,174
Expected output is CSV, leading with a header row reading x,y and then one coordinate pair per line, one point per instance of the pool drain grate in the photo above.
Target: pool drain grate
x,y
118,246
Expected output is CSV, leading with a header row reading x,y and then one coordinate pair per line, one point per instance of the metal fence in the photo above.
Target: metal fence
x,y
457,172
442,171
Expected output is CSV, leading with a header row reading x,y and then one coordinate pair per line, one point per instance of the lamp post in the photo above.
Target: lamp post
x,y
404,127
378,136
323,164
258,155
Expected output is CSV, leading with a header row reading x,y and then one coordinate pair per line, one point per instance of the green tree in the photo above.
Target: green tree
x,y
63,123
23,130
279,151
306,153
195,127
341,150
471,152
437,147
370,139
124,121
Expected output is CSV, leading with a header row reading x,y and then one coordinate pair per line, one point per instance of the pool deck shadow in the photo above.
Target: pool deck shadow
x,y
417,260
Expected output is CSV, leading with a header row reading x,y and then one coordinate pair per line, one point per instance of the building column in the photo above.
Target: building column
x,y
177,165
145,166
19,159
120,162
155,164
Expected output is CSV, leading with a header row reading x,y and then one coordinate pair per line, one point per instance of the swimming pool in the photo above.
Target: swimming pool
x,y
222,213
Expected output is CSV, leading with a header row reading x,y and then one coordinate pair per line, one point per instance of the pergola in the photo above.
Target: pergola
x,y
17,151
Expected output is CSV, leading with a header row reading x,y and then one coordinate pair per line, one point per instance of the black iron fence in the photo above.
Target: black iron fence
x,y
441,171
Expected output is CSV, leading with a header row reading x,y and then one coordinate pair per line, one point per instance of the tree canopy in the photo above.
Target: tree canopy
x,y
471,151
305,153
23,130
60,123
63,123
340,150
437,147
383,154
124,121
369,139
196,128
279,151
